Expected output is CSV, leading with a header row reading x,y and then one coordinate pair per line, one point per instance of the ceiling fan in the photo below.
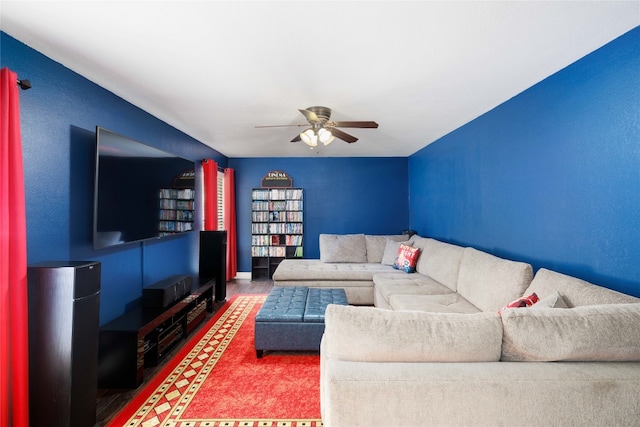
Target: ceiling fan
x,y
322,129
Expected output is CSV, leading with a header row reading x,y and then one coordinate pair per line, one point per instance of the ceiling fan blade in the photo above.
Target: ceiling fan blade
x,y
297,138
343,135
310,116
280,126
360,124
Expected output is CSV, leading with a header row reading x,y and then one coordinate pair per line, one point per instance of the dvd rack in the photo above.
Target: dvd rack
x,y
276,229
176,210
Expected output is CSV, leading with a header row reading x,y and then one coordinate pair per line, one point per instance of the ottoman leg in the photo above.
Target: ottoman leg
x,y
259,354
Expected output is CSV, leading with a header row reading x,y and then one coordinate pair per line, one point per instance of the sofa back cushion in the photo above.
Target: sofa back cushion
x,y
490,282
574,291
343,248
441,262
375,245
367,334
419,241
603,333
391,251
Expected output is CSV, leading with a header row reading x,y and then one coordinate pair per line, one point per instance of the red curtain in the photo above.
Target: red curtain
x,y
210,173
230,222
14,340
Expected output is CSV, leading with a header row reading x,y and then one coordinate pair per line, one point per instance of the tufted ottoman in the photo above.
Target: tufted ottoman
x,y
292,318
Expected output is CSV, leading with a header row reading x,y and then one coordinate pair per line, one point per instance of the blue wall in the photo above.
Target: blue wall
x,y
59,115
551,177
341,195
58,119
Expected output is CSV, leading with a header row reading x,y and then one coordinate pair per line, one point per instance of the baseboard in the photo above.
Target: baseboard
x,y
243,275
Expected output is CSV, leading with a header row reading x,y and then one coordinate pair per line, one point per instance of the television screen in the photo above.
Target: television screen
x,y
140,192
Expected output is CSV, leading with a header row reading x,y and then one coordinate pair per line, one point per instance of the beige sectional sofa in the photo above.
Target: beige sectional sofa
x,y
346,261
435,350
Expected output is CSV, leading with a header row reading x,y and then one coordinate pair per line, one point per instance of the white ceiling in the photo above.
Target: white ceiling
x,y
217,69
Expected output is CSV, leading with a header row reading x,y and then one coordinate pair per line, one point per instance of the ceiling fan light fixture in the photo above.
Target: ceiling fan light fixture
x,y
320,129
309,137
325,136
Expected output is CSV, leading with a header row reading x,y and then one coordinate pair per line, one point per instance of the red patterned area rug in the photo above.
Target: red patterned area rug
x,y
216,380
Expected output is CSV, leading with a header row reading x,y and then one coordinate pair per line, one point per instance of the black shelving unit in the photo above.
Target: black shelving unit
x,y
143,337
176,210
276,229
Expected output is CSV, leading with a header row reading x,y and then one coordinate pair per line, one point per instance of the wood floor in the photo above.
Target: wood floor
x,y
110,401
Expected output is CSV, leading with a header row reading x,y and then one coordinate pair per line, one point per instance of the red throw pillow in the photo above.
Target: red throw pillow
x,y
407,258
527,301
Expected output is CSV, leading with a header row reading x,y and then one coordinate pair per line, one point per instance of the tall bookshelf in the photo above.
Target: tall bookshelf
x,y
276,228
176,210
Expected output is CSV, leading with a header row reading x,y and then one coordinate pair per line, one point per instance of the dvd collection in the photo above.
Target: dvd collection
x,y
277,222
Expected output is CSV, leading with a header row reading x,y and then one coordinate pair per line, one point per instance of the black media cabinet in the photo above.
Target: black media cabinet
x,y
143,336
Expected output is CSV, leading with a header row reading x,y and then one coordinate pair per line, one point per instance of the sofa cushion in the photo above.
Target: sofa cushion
x,y
605,333
391,251
419,241
440,261
554,300
446,303
375,245
575,292
343,248
375,335
407,258
387,284
296,270
489,282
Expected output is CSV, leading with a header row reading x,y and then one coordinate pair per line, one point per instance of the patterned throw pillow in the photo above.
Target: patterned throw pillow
x,y
391,251
407,258
527,301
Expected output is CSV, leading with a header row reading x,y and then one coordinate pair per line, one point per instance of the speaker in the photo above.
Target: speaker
x,y
166,292
213,261
64,318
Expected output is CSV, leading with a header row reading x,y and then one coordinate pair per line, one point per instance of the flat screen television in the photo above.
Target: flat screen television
x,y
141,193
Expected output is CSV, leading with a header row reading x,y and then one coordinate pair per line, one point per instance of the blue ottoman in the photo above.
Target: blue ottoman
x,y
292,318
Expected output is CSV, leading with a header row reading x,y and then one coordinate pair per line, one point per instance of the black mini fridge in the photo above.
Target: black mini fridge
x,y
64,321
